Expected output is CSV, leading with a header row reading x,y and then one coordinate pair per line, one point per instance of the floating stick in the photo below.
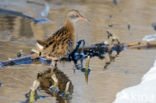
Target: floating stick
x,y
86,69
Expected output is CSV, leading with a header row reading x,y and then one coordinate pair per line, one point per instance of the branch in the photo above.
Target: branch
x,y
98,50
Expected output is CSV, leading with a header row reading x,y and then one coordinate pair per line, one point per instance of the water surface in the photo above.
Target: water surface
x,y
127,70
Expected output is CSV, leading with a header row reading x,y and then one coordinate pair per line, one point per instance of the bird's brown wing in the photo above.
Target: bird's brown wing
x,y
60,44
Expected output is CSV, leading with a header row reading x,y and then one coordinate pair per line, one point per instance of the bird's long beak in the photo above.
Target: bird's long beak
x,y
81,18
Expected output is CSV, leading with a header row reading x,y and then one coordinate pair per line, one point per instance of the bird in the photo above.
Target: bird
x,y
62,42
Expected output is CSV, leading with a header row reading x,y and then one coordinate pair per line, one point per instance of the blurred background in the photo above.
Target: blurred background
x,y
130,20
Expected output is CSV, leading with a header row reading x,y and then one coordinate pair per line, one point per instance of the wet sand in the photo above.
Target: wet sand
x,y
103,85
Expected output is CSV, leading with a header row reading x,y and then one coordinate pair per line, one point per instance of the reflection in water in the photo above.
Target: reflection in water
x,y
62,100
15,27
46,81
37,96
24,16
7,22
18,26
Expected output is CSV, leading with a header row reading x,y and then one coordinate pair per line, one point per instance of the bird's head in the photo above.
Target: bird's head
x,y
74,15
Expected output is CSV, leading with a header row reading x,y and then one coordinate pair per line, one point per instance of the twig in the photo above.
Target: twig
x,y
98,50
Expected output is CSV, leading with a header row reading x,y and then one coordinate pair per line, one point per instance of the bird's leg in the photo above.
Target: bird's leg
x,y
67,88
66,94
32,95
54,88
53,64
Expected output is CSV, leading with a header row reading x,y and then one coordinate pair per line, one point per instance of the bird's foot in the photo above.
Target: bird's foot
x,y
66,95
31,96
54,90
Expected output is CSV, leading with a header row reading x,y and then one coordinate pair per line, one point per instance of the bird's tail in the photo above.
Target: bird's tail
x,y
40,47
40,44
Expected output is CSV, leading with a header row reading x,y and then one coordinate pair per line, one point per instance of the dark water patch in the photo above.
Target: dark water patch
x,y
129,27
15,27
116,2
1,84
154,26
7,22
84,70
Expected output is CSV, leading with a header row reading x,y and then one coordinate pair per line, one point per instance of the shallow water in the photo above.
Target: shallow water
x,y
20,34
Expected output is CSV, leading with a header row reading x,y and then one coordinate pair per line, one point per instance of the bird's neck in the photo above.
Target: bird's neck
x,y
69,25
